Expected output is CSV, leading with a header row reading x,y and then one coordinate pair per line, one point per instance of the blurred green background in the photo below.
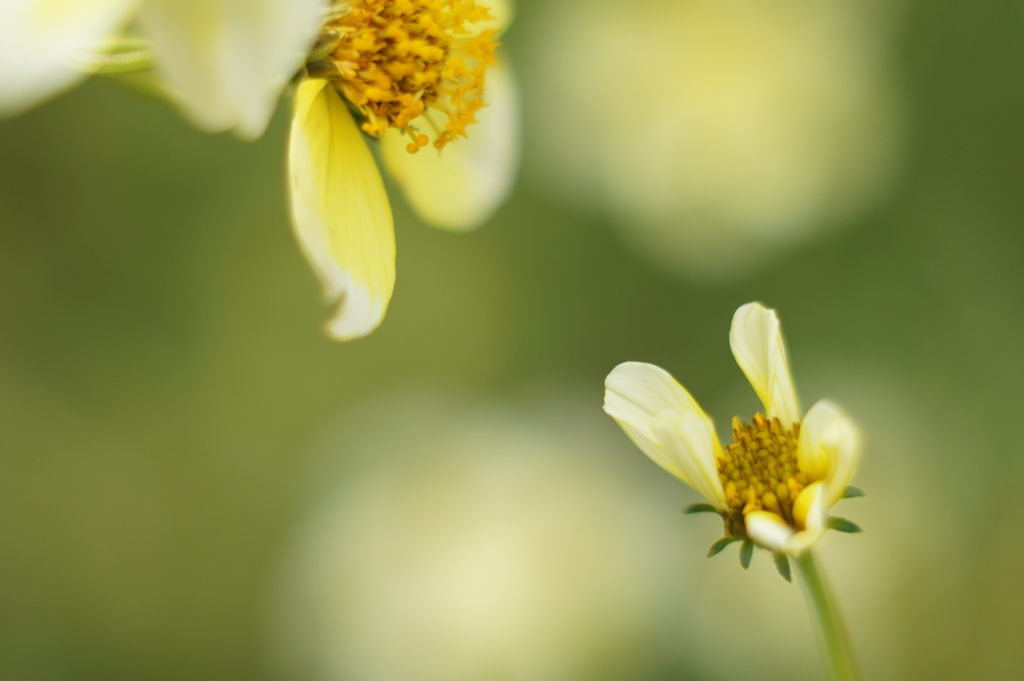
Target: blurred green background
x,y
195,483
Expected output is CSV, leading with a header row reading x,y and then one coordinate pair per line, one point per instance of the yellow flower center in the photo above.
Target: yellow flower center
x,y
397,61
759,470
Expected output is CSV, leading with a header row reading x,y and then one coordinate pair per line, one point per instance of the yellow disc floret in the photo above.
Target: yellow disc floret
x,y
398,61
760,470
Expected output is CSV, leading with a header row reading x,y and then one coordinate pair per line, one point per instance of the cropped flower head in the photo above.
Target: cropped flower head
x,y
415,75
417,79
775,483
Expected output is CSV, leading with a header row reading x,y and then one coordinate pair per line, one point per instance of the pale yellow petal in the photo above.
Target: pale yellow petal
x,y
815,459
829,448
690,442
756,340
461,187
39,42
636,394
768,530
228,60
340,210
810,512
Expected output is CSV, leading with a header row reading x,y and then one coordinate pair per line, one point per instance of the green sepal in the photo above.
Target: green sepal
x,y
717,547
843,525
326,42
699,508
852,492
782,565
117,57
746,553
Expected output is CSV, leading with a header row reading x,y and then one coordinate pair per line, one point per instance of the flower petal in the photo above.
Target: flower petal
x,y
636,394
690,442
756,340
810,512
768,530
461,187
229,59
340,210
39,40
829,448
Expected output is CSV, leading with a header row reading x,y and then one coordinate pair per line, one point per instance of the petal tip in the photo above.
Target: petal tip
x,y
358,314
768,530
755,337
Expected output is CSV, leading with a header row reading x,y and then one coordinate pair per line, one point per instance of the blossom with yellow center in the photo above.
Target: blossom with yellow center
x,y
413,73
407,73
774,485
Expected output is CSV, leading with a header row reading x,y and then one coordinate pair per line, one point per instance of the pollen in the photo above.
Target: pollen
x,y
415,65
760,470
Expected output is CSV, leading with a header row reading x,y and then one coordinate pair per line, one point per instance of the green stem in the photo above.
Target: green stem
x,y
833,634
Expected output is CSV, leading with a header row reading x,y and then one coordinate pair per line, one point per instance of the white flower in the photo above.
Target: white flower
x,y
413,73
778,479
224,61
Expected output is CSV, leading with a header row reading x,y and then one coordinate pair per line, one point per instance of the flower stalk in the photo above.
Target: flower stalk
x,y
833,636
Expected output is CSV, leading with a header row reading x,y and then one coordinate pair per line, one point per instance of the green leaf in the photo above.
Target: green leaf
x,y
746,553
717,547
782,565
843,525
851,492
699,508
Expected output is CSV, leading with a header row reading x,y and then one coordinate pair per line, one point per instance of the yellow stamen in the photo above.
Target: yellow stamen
x,y
759,470
396,59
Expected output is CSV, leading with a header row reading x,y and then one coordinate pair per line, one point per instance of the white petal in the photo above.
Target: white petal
x,y
636,394
228,60
461,187
768,530
810,511
340,210
690,442
829,448
756,340
39,40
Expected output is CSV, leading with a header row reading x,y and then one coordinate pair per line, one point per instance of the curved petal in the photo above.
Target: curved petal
x,y
690,442
461,187
39,40
228,60
636,394
829,448
340,210
768,530
757,345
810,512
